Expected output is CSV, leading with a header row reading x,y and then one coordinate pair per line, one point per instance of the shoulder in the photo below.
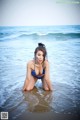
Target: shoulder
x,y
29,63
46,63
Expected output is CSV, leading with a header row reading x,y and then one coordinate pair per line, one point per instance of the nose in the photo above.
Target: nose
x,y
41,57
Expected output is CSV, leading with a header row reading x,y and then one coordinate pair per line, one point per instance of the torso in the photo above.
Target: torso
x,y
38,69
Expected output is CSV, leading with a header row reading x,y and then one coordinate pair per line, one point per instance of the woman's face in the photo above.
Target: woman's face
x,y
39,57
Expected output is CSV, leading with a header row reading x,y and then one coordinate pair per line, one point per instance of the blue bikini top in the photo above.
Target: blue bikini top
x,y
38,76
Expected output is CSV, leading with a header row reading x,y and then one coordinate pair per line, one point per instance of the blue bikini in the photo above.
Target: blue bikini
x,y
38,76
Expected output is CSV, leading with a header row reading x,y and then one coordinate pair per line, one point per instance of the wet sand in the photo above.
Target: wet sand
x,y
48,116
38,105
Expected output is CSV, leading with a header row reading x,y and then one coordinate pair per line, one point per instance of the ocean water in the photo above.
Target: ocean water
x,y
17,45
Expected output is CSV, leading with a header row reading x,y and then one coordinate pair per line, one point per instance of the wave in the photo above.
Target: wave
x,y
52,35
8,36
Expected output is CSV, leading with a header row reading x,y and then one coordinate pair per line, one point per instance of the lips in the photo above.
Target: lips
x,y
40,60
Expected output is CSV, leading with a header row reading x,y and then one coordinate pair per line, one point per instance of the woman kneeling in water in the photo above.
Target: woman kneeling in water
x,y
38,69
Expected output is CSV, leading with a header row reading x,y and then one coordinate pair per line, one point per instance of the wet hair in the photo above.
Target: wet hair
x,y
42,48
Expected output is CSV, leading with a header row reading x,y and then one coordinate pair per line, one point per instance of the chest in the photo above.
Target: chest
x,y
38,69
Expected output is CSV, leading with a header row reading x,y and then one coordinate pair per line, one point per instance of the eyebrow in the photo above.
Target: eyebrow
x,y
41,54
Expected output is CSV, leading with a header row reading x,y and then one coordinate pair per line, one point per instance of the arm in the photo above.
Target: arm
x,y
47,75
28,74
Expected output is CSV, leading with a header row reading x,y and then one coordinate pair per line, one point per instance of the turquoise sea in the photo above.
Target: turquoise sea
x,y
17,45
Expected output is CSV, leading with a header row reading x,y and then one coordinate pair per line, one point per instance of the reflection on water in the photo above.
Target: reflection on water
x,y
38,100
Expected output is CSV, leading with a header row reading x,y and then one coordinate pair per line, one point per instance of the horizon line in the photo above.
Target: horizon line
x,y
37,25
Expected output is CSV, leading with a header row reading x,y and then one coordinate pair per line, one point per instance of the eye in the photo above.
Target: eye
x,y
39,54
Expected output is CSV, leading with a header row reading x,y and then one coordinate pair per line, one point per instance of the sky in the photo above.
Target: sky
x,y
39,12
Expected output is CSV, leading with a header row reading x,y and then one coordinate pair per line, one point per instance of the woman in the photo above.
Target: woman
x,y
38,69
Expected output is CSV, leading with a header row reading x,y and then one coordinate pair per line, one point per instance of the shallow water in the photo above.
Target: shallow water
x,y
64,58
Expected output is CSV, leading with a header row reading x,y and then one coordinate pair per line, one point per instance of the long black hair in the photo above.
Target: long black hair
x,y
42,48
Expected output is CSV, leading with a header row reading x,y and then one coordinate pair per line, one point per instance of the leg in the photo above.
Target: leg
x,y
29,85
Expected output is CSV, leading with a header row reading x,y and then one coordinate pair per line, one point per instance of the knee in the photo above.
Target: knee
x,y
29,88
46,88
